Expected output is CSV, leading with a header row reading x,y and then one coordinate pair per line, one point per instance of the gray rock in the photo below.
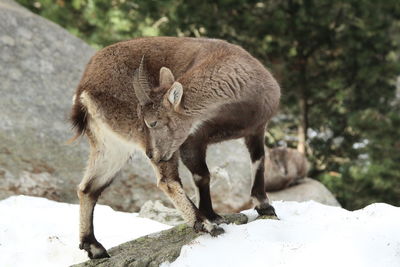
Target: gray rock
x,y
36,91
154,249
306,189
41,66
155,210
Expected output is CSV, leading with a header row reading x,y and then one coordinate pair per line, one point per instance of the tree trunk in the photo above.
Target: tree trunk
x,y
303,107
302,128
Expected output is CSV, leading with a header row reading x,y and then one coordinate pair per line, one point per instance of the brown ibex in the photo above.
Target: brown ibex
x,y
170,97
284,167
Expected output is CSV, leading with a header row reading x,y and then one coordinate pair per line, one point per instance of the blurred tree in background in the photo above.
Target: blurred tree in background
x,y
337,63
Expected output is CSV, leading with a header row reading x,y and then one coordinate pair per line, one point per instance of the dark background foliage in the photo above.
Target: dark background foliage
x,y
337,63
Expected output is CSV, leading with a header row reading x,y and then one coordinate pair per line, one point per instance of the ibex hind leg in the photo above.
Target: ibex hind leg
x,y
104,162
255,145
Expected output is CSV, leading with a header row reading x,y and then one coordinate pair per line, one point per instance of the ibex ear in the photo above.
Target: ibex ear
x,y
166,77
175,94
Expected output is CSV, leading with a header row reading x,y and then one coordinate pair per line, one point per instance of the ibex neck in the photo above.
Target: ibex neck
x,y
205,90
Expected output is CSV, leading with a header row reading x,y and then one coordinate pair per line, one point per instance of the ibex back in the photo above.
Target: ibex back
x,y
170,97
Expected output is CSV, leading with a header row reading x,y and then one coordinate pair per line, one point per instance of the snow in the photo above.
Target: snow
x,y
307,234
40,232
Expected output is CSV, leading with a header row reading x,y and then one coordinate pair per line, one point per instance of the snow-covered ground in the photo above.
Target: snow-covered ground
x,y
307,234
39,232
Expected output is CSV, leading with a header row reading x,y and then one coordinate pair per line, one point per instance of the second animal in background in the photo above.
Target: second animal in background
x,y
284,167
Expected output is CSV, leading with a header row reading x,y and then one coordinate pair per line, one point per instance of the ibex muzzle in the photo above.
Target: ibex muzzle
x,y
171,98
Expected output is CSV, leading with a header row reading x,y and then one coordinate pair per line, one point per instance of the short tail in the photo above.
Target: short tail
x,y
79,120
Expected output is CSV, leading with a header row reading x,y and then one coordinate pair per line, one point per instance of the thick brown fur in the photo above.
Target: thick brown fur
x,y
171,97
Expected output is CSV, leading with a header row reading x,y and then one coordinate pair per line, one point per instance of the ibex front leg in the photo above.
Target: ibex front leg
x,y
169,182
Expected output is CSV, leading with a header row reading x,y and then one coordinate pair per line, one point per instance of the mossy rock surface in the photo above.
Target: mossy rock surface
x,y
154,249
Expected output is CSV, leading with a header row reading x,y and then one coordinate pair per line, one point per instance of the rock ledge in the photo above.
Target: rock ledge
x,y
154,249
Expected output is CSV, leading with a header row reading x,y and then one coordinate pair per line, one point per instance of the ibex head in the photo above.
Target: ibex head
x,y
160,110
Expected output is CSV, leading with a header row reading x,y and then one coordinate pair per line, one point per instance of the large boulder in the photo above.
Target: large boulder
x,y
155,210
42,64
306,189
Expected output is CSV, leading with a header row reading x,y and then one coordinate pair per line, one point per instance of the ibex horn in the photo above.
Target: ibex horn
x,y
141,85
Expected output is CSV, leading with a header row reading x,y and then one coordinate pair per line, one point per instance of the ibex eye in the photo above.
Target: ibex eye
x,y
151,124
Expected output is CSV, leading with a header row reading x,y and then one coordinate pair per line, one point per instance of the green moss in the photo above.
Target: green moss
x,y
267,217
181,227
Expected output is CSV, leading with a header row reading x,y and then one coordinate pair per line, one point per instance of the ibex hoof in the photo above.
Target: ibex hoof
x,y
219,220
94,250
216,231
208,227
266,209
